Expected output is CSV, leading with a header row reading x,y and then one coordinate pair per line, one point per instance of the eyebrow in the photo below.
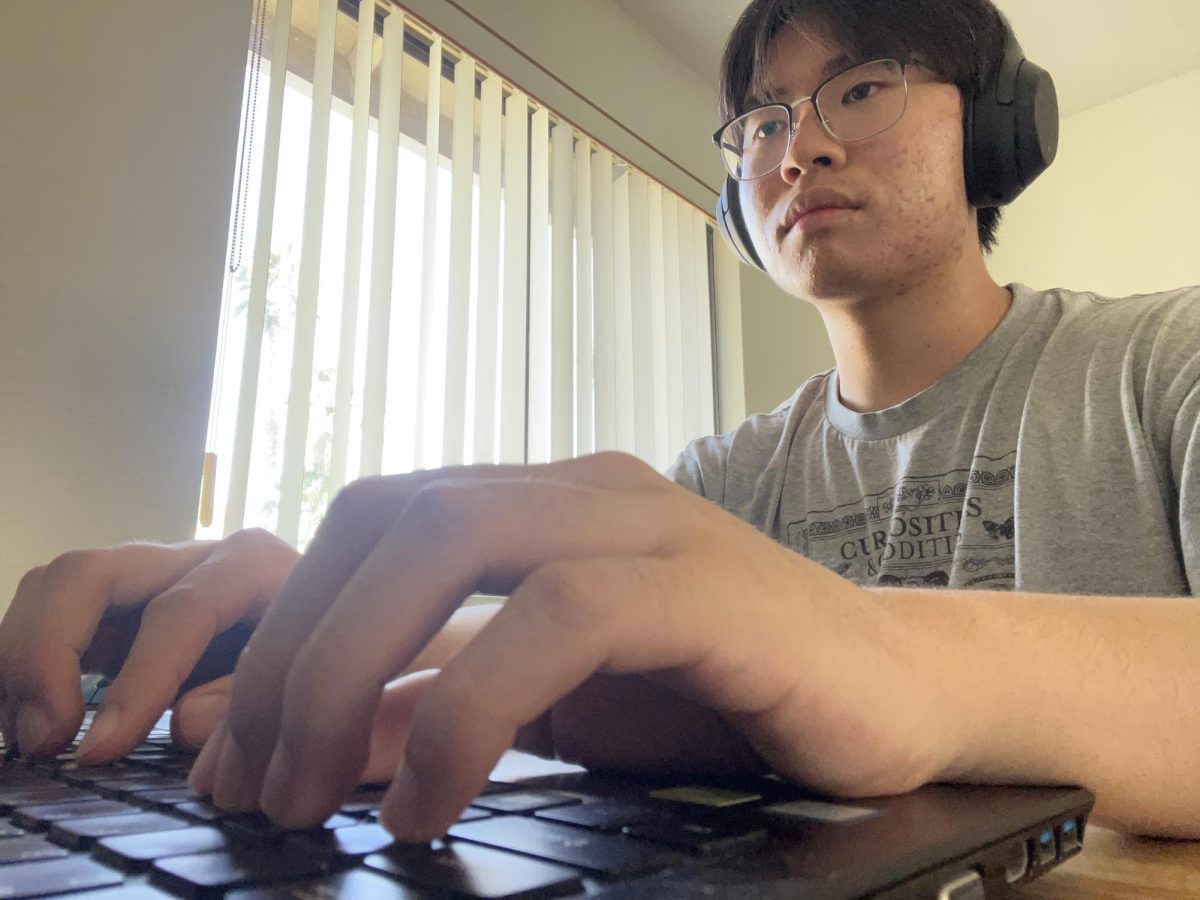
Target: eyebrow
x,y
832,67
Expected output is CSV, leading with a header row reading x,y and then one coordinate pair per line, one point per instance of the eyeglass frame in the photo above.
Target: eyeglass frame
x,y
904,63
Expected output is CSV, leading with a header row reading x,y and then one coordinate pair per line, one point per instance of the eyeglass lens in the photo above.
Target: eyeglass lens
x,y
855,105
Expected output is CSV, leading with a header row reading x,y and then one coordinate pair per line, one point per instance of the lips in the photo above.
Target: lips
x,y
812,201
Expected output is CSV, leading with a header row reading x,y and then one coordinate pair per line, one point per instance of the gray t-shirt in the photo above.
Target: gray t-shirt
x,y
1062,456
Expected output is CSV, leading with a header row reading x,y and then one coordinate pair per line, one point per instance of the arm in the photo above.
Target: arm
x,y
1099,691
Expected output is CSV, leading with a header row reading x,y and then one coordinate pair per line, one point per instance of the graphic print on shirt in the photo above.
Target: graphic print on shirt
x,y
955,529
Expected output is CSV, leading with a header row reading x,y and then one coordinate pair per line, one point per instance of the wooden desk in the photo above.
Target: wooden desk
x,y
1114,866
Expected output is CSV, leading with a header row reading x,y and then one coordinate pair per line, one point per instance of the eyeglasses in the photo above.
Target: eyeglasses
x,y
854,105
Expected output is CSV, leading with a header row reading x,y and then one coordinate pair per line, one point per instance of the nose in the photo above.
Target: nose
x,y
811,146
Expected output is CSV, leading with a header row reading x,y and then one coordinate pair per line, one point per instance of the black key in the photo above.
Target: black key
x,y
252,825
354,885
80,834
27,849
34,796
522,801
607,816
700,838
352,841
604,853
57,876
39,818
212,874
126,892
7,830
468,871
125,787
135,852
166,798
203,810
471,814
86,776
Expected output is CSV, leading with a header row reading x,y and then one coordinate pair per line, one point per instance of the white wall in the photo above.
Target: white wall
x,y
119,135
1119,211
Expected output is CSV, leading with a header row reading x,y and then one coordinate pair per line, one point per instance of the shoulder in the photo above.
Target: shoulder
x,y
708,463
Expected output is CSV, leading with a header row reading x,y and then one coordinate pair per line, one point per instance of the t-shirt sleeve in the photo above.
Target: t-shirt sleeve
x,y
1185,470
701,468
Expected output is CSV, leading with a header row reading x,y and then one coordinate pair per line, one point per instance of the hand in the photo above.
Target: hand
x,y
157,619
611,571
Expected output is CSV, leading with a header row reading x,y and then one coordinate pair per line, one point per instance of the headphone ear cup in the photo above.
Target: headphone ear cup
x,y
732,224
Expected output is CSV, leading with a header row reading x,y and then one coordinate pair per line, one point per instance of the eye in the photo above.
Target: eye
x,y
768,130
864,90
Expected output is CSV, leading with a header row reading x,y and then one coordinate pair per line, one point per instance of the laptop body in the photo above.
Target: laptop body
x,y
541,829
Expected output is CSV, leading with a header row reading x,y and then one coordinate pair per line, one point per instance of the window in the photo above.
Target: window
x,y
428,267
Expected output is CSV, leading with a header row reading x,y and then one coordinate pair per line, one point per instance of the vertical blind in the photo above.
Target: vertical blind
x,y
431,268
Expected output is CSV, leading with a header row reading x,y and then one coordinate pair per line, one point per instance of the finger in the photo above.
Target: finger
x,y
54,617
357,520
198,713
566,622
452,539
232,585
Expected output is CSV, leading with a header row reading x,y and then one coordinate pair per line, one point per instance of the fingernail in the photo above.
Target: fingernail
x,y
33,727
234,789
399,811
102,728
200,779
278,792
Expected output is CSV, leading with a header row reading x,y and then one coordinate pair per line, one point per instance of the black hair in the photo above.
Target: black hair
x,y
960,40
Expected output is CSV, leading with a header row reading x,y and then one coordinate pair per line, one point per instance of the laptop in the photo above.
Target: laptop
x,y
134,830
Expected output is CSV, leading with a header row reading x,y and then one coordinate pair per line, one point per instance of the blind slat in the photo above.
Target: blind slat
x,y
295,441
642,370
704,349
422,456
256,311
355,216
562,314
488,278
384,238
658,327
674,321
604,357
622,313
585,441
454,429
516,220
539,289
687,316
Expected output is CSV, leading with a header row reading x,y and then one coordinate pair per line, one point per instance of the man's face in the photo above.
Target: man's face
x,y
906,185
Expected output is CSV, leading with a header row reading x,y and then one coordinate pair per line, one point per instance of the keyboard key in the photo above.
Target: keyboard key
x,y
39,818
612,817
7,830
43,879
700,838
604,853
352,841
27,849
468,871
80,834
355,885
165,798
203,810
363,802
34,796
135,852
211,874
126,892
125,787
522,801
86,776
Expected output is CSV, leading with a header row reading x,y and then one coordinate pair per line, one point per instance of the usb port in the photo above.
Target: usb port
x,y
1068,838
1045,850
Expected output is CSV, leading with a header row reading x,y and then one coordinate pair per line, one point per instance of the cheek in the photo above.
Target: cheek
x,y
928,206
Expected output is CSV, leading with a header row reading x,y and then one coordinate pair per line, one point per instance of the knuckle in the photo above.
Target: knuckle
x,y
563,594
181,606
73,566
438,507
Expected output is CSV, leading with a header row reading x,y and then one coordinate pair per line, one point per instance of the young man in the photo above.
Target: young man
x,y
972,436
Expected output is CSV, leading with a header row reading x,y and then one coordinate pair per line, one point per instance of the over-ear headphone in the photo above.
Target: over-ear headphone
x,y
1010,137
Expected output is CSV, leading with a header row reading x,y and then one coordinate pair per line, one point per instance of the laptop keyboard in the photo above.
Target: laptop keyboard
x,y
133,829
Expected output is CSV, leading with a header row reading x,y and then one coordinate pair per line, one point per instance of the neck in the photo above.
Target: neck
x,y
891,346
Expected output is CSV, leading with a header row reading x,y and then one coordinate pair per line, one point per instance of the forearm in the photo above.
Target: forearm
x,y
1098,691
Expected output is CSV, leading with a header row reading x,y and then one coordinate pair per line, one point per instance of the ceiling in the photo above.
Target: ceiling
x,y
1096,50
